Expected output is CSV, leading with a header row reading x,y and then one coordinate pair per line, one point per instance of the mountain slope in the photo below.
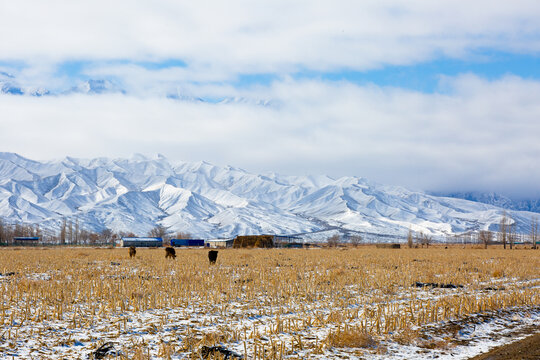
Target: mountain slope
x,y
136,194
497,200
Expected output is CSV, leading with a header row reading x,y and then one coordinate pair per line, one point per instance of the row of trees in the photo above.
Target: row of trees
x,y
9,231
71,233
507,236
335,240
419,239
161,231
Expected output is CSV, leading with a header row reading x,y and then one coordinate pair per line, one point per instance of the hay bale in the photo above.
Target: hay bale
x,y
254,241
388,246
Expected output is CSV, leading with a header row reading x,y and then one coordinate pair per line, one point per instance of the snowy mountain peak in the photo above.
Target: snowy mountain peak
x,y
11,88
10,85
97,86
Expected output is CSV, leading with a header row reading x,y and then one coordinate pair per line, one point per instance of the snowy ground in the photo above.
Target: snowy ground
x,y
160,332
245,326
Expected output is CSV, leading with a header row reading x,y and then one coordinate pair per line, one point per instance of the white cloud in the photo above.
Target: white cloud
x,y
225,38
472,134
477,135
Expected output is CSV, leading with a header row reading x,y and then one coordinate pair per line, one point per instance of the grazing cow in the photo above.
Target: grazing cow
x,y
170,253
212,256
132,251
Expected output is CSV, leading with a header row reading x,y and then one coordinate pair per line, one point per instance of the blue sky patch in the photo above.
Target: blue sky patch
x,y
425,77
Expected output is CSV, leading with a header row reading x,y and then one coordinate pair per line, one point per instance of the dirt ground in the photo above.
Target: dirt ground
x,y
526,349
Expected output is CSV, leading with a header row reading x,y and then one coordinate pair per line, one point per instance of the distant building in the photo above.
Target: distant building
x,y
294,245
25,240
219,243
288,241
187,242
142,241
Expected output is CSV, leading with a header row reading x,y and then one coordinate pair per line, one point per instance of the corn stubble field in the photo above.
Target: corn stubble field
x,y
62,303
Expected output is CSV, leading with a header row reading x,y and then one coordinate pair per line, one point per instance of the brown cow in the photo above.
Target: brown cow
x,y
170,252
212,256
132,251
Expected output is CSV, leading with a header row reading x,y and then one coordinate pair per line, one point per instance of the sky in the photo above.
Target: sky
x,y
431,95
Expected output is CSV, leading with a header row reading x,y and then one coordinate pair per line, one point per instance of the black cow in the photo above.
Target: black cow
x,y
132,251
212,256
170,253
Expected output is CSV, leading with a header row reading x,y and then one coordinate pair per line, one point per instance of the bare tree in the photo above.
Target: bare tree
x,y
106,236
2,232
76,230
427,240
485,237
333,240
63,232
70,228
410,241
467,238
423,239
93,238
158,231
418,239
183,235
512,235
503,229
19,230
534,231
123,234
355,240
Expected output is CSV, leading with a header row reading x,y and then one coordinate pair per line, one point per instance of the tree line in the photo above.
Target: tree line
x,y
70,232
507,236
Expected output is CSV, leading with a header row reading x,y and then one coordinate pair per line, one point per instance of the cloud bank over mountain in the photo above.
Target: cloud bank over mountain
x,y
477,135
438,96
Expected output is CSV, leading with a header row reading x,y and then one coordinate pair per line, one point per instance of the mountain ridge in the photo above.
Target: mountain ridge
x,y
496,199
91,87
205,200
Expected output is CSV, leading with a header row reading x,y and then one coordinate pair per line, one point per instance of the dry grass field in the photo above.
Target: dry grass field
x,y
60,303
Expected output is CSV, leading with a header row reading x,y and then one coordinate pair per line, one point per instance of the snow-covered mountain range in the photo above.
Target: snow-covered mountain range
x,y
9,85
136,194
